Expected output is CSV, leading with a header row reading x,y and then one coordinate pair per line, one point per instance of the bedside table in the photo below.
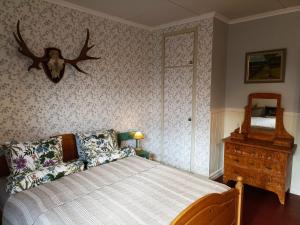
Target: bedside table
x,y
143,154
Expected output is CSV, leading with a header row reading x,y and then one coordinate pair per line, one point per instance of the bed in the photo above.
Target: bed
x,y
128,191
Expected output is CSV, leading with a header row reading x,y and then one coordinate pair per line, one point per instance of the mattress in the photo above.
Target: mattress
x,y
3,194
128,191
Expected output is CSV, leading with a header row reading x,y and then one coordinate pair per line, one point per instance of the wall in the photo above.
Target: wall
x,y
121,90
263,34
218,75
218,81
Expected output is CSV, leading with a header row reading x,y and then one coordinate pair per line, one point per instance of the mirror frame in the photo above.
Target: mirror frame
x,y
262,127
279,136
252,96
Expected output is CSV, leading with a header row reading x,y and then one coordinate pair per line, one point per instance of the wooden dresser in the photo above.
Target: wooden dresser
x,y
262,156
260,163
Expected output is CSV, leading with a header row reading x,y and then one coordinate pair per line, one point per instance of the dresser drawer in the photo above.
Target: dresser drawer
x,y
242,161
252,177
260,166
254,152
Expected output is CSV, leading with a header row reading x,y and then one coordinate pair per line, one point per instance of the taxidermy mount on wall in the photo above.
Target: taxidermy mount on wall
x,y
53,62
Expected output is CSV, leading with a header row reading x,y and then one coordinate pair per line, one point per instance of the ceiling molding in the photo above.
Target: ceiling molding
x,y
222,18
184,21
97,13
265,15
178,22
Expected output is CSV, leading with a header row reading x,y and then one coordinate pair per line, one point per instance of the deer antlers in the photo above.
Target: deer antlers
x,y
25,50
53,58
83,54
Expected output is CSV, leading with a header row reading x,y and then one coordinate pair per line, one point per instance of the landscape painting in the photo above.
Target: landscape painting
x,y
265,66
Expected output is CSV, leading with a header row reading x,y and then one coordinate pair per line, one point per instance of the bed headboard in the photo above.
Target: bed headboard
x,y
125,136
69,150
4,172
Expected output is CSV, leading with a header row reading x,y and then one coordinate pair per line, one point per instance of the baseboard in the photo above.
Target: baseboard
x,y
216,174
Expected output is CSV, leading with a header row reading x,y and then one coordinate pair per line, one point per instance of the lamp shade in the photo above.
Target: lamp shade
x,y
138,135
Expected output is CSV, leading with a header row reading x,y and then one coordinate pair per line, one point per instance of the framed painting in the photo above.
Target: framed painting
x,y
265,66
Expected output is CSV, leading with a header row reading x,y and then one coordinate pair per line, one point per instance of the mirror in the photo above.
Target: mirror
x,y
263,121
263,113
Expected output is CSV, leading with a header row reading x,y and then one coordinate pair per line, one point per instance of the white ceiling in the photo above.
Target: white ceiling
x,y
158,12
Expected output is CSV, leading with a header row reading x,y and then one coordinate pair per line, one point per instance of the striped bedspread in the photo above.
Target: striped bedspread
x,y
125,192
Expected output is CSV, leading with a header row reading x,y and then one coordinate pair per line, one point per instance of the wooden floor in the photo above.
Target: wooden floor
x,y
263,208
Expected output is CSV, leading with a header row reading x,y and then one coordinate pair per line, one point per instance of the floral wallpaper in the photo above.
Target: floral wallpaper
x,y
179,50
123,90
177,108
120,90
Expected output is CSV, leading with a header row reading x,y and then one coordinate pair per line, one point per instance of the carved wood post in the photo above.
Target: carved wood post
x,y
240,188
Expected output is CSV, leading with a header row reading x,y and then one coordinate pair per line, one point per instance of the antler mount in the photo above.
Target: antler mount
x,y
53,63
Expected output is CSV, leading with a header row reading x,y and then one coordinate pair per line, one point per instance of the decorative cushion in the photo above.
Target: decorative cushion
x,y
43,175
258,112
109,156
27,157
270,111
90,145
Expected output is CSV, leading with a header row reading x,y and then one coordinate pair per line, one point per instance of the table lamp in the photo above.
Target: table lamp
x,y
138,136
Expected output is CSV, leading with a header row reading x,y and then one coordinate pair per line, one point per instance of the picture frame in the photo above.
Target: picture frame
x,y
265,66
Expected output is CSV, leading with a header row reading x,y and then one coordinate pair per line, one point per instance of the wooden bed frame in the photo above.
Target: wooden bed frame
x,y
212,209
215,209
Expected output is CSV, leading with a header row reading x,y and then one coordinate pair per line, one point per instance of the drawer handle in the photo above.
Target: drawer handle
x,y
236,160
268,167
237,147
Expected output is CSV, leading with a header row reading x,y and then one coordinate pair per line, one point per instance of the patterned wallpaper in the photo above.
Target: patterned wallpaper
x,y
122,90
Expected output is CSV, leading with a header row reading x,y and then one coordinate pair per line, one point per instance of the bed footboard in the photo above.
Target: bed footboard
x,y
215,209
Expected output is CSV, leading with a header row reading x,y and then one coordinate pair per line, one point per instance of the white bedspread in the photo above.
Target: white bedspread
x,y
125,192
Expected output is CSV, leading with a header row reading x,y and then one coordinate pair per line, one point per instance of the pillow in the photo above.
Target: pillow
x,y
89,145
258,112
27,157
106,157
270,111
23,182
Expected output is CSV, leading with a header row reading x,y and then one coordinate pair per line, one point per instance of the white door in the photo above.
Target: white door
x,y
178,100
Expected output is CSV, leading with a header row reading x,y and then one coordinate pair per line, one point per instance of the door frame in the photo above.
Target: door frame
x,y
193,116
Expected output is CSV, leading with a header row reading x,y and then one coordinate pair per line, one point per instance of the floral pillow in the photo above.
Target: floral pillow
x,y
43,175
50,151
90,145
106,157
27,157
